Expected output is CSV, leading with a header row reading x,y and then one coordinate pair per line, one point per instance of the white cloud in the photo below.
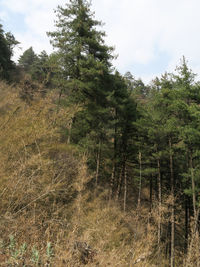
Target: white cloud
x,y
28,6
142,28
134,29
38,17
139,29
3,16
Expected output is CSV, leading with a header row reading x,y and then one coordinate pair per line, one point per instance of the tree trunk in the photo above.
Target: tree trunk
x,y
125,186
186,223
196,211
69,133
172,258
140,182
193,186
159,203
98,164
151,192
113,175
119,183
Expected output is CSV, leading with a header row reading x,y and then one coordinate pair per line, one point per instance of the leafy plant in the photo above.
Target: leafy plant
x,y
35,257
49,251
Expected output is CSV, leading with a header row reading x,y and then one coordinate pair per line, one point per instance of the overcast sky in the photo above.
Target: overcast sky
x,y
149,36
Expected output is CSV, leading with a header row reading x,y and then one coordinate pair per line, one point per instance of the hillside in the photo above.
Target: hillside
x,y
97,168
48,204
46,200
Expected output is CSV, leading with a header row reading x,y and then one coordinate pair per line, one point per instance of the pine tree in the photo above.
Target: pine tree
x,y
124,113
84,57
40,69
188,111
7,43
83,63
27,59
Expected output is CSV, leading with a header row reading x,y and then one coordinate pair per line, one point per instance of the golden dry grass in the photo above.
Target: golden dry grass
x,y
45,198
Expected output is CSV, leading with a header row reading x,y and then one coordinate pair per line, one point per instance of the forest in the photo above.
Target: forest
x,y
97,168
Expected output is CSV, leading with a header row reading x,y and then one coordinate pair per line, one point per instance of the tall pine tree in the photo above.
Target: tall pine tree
x,y
85,63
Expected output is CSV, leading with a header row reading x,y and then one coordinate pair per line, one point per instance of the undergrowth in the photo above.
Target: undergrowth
x,y
47,207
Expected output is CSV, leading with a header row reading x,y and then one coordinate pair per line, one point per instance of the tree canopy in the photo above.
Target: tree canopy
x,y
7,44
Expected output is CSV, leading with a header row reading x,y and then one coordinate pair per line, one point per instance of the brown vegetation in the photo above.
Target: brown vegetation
x,y
47,206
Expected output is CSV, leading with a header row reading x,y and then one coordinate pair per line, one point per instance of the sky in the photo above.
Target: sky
x,y
150,36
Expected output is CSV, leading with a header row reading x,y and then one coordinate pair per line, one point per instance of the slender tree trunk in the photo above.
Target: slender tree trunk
x,y
140,182
196,211
186,223
69,133
151,192
172,258
98,164
187,208
113,175
125,186
193,186
159,203
112,181
119,183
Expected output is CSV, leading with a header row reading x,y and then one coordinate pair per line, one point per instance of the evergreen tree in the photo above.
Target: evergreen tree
x,y
40,69
84,57
124,113
188,111
7,43
27,59
85,69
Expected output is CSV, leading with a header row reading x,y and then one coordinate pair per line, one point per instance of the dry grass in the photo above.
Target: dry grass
x,y
46,205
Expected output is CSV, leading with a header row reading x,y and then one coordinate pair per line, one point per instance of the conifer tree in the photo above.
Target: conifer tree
x,y
40,69
188,100
123,115
85,69
84,57
7,44
27,59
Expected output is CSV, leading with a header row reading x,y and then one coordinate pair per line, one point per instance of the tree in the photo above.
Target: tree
x,y
188,102
40,69
7,43
85,70
124,113
84,57
27,59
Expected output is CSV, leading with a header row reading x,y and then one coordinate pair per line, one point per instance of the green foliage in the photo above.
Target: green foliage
x,y
82,70
40,69
135,137
49,251
7,43
27,59
82,54
35,257
11,243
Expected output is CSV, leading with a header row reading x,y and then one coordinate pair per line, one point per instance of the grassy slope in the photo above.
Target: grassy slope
x,y
46,205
